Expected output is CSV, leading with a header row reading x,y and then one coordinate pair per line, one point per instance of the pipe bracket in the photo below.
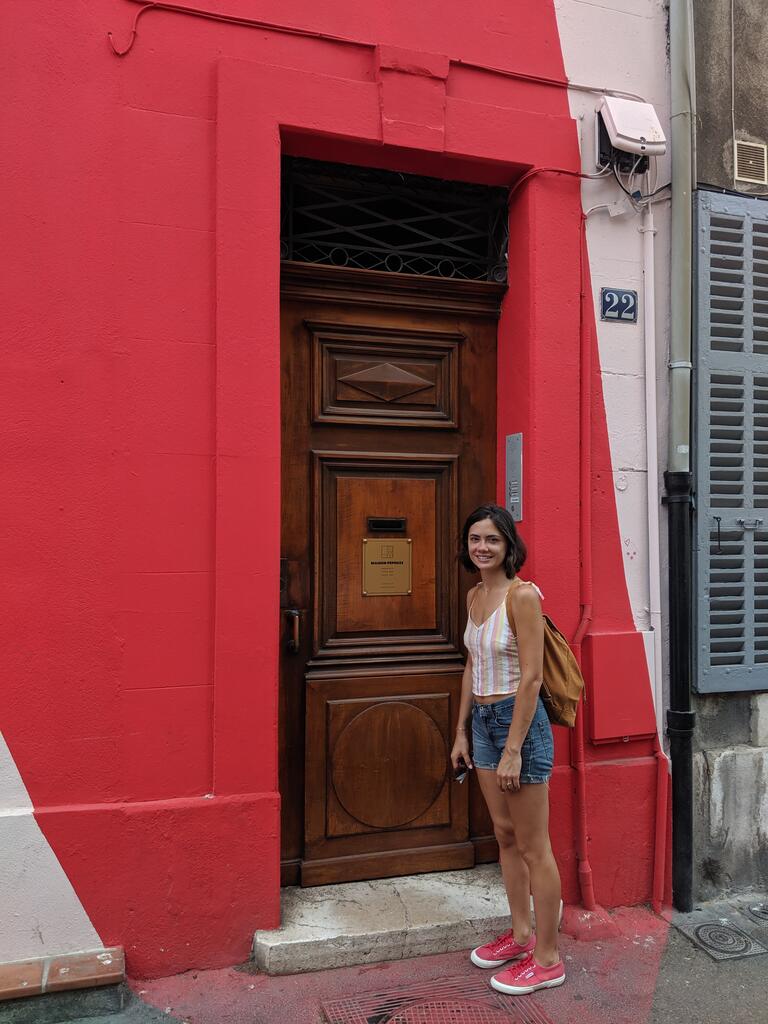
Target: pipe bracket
x,y
681,723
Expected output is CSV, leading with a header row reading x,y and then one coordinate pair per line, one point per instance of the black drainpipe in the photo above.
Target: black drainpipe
x,y
680,719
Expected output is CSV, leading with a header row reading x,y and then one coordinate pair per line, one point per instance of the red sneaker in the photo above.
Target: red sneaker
x,y
528,976
496,953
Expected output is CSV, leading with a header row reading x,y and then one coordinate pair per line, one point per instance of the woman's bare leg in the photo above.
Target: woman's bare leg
x,y
528,811
514,870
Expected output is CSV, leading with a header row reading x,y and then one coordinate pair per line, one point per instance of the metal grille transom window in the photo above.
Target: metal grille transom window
x,y
347,216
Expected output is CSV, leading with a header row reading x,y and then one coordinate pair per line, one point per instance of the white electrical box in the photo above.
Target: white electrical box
x,y
632,126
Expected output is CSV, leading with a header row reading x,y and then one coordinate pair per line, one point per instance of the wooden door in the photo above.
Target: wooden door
x,y
388,440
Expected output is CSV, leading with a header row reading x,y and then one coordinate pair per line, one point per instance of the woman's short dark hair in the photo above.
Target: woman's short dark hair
x,y
505,524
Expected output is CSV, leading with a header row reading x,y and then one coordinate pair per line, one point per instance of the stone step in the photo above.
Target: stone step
x,y
385,919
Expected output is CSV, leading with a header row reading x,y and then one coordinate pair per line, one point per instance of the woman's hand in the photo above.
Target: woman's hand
x,y
460,751
508,772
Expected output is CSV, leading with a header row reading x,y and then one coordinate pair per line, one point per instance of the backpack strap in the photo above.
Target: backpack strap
x,y
508,600
530,583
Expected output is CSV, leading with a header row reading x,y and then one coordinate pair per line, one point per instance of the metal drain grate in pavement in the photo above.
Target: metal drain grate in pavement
x,y
724,941
449,1013
758,911
445,1001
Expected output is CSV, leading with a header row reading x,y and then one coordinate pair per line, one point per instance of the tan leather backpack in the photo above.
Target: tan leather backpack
x,y
563,682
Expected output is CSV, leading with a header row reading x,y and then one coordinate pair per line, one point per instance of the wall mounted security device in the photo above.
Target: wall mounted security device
x,y
514,478
628,132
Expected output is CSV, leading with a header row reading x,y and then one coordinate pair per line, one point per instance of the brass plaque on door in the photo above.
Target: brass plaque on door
x,y
386,565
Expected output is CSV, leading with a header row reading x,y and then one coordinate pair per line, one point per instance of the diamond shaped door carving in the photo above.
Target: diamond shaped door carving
x,y
376,375
387,382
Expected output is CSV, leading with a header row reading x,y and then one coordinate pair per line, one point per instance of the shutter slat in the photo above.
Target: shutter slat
x,y
726,298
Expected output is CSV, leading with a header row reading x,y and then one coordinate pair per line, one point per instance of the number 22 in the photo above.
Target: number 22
x,y
619,306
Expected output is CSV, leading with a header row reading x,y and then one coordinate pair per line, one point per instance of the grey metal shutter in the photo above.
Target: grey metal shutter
x,y
732,443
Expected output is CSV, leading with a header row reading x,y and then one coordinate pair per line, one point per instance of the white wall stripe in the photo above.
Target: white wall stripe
x,y
621,44
41,912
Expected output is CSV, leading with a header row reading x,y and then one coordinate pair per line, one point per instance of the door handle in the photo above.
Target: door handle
x,y
294,639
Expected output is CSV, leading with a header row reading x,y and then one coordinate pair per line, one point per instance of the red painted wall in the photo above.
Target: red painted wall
x,y
141,455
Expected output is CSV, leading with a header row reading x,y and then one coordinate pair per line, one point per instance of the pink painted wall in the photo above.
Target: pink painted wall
x,y
141,459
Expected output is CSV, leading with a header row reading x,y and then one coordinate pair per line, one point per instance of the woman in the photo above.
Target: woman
x,y
512,747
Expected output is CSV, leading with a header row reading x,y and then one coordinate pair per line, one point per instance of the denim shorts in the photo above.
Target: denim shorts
x,y
490,726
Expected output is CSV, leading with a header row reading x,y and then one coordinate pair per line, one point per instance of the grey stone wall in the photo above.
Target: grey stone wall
x,y
714,134
731,794
731,740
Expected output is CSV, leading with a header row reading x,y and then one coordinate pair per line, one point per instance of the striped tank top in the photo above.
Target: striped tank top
x,y
493,646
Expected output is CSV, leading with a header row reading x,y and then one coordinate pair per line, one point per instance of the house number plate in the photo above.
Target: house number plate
x,y
618,304
386,565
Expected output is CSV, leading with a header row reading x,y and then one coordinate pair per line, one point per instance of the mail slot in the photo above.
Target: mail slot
x,y
386,524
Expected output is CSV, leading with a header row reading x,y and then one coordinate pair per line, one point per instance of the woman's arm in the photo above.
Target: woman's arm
x,y
460,750
529,627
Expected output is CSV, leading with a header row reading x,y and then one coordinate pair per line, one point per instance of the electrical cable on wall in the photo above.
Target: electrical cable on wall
x,y
196,12
554,170
733,86
638,196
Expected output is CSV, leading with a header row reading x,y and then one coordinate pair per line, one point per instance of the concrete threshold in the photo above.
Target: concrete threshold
x,y
385,919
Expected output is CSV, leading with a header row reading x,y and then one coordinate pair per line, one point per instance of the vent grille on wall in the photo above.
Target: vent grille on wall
x,y
750,161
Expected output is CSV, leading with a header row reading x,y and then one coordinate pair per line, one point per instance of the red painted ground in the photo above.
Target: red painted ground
x,y
610,981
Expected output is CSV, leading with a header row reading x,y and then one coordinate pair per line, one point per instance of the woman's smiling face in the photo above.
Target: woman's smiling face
x,y
486,546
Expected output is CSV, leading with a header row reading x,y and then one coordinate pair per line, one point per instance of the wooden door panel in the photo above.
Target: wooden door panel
x,y
388,437
359,499
397,377
377,776
387,763
352,487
